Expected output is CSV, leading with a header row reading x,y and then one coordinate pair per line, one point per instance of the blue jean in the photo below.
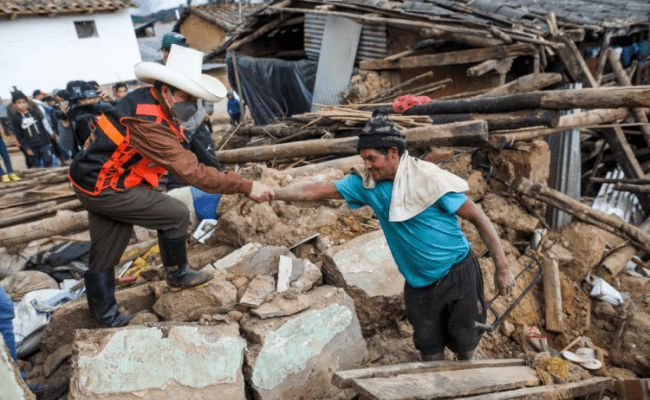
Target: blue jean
x,y
43,153
6,326
5,158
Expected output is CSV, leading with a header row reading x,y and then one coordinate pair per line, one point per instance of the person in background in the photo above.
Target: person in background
x,y
30,132
120,90
234,108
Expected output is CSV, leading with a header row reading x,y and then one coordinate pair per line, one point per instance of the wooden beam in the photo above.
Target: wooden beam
x,y
513,120
452,57
629,97
472,133
552,392
624,80
500,66
582,211
575,63
524,84
344,379
552,296
602,57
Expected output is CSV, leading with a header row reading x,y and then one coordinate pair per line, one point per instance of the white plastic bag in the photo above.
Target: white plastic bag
x,y
604,291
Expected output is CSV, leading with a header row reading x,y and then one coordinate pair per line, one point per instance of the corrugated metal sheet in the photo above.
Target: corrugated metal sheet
x,y
623,204
372,44
340,42
566,168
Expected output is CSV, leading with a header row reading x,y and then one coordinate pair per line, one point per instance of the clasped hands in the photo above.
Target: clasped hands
x,y
260,193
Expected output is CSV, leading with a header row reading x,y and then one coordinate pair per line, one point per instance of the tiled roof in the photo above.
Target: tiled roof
x,y
14,8
225,16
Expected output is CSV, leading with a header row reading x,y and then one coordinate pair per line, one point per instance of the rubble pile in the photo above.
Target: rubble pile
x,y
314,285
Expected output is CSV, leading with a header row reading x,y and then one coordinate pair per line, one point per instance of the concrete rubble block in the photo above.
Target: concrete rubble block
x,y
168,361
632,349
295,357
586,244
75,314
509,213
365,268
188,305
12,385
257,291
309,277
255,259
531,160
282,306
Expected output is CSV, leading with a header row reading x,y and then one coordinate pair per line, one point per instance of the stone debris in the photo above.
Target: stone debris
x,y
167,361
296,356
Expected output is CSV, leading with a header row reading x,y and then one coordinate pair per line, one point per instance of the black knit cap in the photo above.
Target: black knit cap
x,y
380,132
17,95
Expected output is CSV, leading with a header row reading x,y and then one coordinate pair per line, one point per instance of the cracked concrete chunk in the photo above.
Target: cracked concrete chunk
x,y
189,304
366,269
257,291
282,306
295,357
12,384
164,362
255,259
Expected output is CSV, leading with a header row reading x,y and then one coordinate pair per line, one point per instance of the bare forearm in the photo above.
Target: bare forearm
x,y
307,192
491,239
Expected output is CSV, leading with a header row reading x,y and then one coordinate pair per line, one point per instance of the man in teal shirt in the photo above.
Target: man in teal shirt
x,y
417,204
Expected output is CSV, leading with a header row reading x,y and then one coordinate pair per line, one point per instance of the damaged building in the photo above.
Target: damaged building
x,y
542,107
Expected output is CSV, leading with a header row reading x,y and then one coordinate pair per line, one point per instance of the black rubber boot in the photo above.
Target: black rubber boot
x,y
173,252
100,292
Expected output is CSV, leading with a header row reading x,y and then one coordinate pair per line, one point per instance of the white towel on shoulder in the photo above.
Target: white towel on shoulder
x,y
418,184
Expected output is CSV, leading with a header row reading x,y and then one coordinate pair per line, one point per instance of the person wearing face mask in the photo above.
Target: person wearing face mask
x,y
196,127
132,146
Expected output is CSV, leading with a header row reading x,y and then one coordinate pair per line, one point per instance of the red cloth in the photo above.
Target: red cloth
x,y
407,101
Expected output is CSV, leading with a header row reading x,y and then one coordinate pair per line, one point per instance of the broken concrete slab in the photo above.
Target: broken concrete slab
x,y
295,357
255,259
12,384
189,304
75,314
365,268
169,361
257,291
309,277
282,306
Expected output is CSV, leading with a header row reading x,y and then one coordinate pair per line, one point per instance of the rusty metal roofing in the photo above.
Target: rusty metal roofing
x,y
226,16
15,8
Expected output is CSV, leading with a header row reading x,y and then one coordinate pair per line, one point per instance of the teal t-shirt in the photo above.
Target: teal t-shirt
x,y
424,247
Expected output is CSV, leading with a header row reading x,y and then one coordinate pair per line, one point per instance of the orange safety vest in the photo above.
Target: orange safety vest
x,y
107,159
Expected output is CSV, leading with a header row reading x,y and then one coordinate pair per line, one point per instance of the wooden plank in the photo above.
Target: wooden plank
x,y
552,296
526,83
446,384
552,392
582,211
624,80
343,379
453,57
575,63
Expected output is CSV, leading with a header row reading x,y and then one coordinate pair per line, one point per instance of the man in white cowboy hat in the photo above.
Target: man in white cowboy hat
x,y
133,145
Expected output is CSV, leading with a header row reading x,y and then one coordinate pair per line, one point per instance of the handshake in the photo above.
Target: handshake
x,y
260,193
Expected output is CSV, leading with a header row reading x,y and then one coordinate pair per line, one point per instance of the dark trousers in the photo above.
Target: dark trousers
x,y
112,215
41,153
443,313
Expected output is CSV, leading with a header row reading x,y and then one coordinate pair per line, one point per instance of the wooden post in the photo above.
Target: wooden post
x,y
582,211
58,225
239,90
471,134
553,296
624,80
526,83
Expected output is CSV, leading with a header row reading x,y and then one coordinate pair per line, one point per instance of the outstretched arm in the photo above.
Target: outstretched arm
x,y
307,192
503,280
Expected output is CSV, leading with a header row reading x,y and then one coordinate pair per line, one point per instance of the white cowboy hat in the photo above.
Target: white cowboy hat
x,y
183,71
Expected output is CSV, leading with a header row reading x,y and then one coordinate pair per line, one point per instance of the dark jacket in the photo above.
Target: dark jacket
x,y
29,130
